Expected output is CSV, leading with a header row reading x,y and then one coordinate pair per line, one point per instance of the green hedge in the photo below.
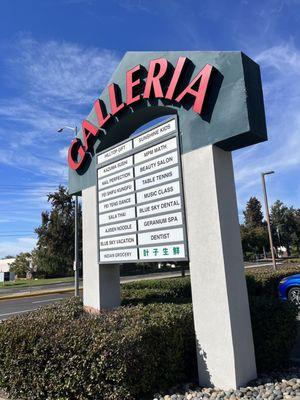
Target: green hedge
x,y
265,281
273,321
176,290
60,353
260,282
274,331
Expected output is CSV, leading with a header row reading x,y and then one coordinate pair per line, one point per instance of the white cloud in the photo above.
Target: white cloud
x,y
63,153
63,71
56,83
137,6
284,57
15,246
57,79
280,66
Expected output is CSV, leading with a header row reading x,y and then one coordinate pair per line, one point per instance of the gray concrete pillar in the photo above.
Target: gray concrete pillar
x,y
220,302
101,284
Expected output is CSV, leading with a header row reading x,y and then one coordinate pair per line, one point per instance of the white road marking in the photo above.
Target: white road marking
x,y
45,301
16,312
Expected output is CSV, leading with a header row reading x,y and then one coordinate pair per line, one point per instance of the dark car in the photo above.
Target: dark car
x,y
289,289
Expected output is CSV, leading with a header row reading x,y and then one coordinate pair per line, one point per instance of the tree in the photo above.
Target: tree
x,y
253,216
296,234
54,253
254,240
254,232
284,224
21,265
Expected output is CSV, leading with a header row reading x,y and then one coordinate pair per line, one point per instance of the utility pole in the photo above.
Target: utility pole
x,y
268,215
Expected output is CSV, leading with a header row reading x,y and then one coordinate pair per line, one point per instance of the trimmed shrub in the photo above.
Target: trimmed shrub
x,y
273,321
176,290
274,331
265,281
260,282
61,353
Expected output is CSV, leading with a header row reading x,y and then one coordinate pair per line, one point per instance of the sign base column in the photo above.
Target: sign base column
x,y
101,284
224,339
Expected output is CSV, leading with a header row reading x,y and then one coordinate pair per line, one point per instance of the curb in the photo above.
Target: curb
x,y
54,291
44,293
40,293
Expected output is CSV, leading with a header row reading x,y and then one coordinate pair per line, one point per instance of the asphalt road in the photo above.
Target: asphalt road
x,y
70,285
64,285
11,307
26,290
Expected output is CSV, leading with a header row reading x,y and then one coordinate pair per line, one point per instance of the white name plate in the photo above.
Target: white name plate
x,y
166,235
155,151
116,178
157,163
116,191
168,251
158,193
157,178
116,166
126,227
117,216
159,206
116,242
115,152
118,255
155,133
125,201
162,221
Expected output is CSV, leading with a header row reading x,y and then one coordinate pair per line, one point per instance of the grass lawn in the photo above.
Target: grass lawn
x,y
36,282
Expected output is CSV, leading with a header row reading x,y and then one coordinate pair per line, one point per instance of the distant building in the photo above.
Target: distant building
x,y
282,251
5,264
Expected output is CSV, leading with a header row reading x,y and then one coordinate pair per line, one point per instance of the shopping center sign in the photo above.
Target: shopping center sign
x,y
167,193
161,82
217,96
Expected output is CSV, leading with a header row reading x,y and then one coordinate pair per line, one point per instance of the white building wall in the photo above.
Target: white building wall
x,y
5,264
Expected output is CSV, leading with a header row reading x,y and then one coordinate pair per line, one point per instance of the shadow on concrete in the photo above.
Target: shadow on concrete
x,y
204,376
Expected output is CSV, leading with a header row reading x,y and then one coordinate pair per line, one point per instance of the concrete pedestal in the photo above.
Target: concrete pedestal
x,y
220,302
101,284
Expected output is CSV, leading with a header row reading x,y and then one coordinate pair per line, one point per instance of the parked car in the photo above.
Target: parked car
x,y
289,289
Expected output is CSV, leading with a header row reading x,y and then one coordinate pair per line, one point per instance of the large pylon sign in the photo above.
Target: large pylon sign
x,y
169,194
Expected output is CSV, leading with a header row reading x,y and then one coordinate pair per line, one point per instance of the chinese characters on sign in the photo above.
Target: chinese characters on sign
x,y
140,203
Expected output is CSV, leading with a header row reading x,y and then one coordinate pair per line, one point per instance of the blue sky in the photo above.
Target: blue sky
x,y
57,55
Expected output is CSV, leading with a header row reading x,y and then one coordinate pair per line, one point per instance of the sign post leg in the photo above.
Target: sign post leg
x,y
225,348
101,284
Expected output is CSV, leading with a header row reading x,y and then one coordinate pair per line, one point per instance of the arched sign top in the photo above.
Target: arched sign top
x,y
217,96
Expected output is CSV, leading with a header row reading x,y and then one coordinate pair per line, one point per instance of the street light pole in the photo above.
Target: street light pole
x,y
76,249
268,215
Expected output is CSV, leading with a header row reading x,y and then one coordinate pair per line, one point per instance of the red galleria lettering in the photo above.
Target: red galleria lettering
x,y
159,84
